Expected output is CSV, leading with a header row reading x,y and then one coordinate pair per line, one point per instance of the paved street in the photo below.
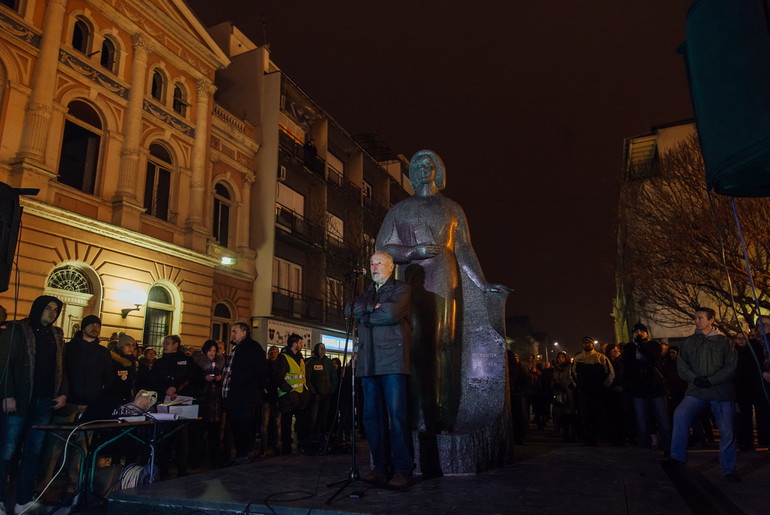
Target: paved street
x,y
547,477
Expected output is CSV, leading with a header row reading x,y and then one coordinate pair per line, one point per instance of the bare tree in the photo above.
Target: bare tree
x,y
681,246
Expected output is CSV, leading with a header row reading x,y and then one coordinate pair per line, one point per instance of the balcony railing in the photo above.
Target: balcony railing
x,y
375,208
297,225
229,118
296,305
302,153
335,316
351,190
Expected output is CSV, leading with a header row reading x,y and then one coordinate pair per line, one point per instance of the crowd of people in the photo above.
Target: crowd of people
x,y
643,392
245,397
648,393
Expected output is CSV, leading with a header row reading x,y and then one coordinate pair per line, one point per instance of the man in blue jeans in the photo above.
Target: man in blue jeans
x,y
707,362
384,334
32,385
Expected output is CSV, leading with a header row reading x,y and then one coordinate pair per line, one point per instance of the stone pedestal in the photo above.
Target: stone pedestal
x,y
468,452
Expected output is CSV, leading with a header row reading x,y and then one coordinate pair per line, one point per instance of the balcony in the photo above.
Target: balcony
x,y
351,190
335,316
296,227
296,305
343,253
306,155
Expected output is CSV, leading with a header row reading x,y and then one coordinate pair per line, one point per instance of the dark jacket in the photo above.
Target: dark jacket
x,y
748,375
209,393
517,375
89,370
710,356
174,369
643,371
385,332
321,375
123,387
248,375
17,356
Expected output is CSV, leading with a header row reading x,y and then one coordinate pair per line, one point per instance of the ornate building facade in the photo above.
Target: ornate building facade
x,y
158,207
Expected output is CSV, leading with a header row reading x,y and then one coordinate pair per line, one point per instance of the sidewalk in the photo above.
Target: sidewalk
x,y
547,477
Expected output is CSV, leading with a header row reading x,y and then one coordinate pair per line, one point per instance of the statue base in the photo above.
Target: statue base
x,y
460,452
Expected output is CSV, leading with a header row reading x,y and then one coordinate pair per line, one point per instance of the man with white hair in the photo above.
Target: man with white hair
x,y
384,333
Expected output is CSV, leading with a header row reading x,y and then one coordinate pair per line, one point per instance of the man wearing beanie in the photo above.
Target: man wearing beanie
x,y
593,374
645,383
32,384
88,368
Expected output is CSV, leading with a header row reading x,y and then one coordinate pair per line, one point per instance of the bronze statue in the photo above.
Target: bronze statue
x,y
458,330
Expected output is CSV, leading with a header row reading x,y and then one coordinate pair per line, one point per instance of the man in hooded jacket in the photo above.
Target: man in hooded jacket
x,y
32,385
88,368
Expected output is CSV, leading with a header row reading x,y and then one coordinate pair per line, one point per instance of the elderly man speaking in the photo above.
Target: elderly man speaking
x,y
384,334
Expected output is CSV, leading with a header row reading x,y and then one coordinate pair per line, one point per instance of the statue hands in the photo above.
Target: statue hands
x,y
498,288
425,251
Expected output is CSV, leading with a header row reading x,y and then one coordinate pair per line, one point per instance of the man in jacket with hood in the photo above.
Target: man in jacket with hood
x,y
88,367
708,363
384,333
32,385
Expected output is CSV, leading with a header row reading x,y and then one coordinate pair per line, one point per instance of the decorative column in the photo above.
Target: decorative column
x,y
243,217
198,181
132,126
38,110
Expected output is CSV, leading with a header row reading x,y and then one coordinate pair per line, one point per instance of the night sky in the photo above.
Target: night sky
x,y
527,103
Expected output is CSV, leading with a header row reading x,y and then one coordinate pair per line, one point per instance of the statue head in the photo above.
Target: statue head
x,y
430,158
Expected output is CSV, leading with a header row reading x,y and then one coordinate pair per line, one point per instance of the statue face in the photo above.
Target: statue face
x,y
426,172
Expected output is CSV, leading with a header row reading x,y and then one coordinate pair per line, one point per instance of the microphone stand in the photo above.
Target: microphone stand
x,y
353,474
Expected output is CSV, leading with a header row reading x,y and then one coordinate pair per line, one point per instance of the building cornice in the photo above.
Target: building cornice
x,y
84,223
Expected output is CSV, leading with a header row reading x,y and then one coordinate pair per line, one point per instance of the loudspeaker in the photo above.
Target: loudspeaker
x,y
727,54
10,217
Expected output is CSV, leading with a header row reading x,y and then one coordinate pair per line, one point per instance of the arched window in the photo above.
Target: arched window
x,y
13,4
222,322
157,187
158,86
180,104
159,319
69,279
79,289
79,157
222,204
108,54
81,34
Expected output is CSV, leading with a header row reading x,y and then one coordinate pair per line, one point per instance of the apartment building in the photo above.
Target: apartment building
x,y
322,195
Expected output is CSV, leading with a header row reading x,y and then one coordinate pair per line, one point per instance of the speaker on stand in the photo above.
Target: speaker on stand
x,y
10,218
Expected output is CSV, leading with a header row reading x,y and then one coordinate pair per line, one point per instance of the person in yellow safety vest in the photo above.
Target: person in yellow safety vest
x,y
293,394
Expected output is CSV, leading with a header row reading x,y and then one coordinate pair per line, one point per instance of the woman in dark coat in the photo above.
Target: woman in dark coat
x,y
564,409
208,379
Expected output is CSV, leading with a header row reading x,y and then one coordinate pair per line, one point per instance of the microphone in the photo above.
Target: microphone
x,y
359,270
